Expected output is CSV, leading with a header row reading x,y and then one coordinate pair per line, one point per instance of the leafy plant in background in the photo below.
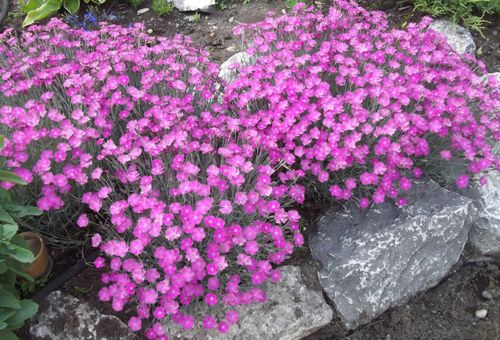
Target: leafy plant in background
x,y
136,3
292,3
162,7
460,11
13,256
89,21
40,9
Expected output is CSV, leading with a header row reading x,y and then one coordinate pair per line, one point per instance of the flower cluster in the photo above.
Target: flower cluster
x,y
131,126
346,101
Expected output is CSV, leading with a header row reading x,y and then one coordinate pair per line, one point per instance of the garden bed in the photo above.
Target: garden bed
x,y
446,311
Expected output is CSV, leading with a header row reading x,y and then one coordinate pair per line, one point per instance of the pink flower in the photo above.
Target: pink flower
x,y
83,221
209,322
225,207
223,327
211,299
135,324
462,181
364,203
96,240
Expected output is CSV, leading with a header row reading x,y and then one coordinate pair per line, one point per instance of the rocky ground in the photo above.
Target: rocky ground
x,y
453,309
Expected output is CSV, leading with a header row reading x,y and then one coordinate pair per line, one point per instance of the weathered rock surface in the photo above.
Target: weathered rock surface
x,y
193,5
67,318
458,38
292,311
485,235
376,259
229,69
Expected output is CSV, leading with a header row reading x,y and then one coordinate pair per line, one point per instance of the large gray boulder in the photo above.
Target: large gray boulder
x,y
67,318
485,235
292,311
376,259
458,37
193,5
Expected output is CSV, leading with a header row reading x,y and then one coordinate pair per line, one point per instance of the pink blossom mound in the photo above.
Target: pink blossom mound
x,y
129,125
361,109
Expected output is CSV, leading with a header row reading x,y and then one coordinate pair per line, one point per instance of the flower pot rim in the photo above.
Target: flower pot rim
x,y
39,238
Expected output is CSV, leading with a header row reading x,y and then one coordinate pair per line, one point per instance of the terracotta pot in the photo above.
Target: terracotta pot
x,y
42,264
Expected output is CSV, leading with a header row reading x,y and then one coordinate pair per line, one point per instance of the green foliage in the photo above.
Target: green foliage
x,y
162,7
291,3
136,3
196,17
13,256
470,13
40,9
224,4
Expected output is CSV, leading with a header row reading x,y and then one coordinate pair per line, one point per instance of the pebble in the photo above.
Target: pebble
x,y
231,19
481,313
231,48
142,11
150,31
487,295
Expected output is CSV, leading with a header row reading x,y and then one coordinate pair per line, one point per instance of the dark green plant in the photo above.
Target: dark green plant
x,y
136,3
470,13
40,9
291,3
14,255
162,7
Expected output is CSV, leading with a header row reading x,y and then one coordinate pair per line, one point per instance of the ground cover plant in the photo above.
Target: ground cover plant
x,y
36,10
184,209
360,110
467,12
188,184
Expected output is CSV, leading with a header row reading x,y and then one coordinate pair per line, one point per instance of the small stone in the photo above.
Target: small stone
x,y
487,295
481,313
227,72
142,11
150,31
231,19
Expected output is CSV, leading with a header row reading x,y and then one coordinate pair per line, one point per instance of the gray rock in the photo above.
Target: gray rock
x,y
481,313
485,235
67,318
229,69
487,295
458,38
142,11
494,74
193,5
291,312
376,259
